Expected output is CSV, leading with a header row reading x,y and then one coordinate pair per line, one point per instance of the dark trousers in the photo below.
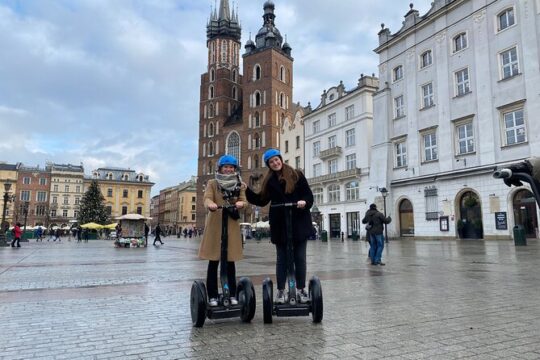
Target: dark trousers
x,y
16,240
212,278
299,264
157,238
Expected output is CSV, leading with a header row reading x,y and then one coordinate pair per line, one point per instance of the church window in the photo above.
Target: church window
x,y
282,100
256,119
235,76
210,149
211,129
224,52
211,111
233,145
212,52
234,93
255,161
257,72
282,73
211,92
256,141
257,98
212,75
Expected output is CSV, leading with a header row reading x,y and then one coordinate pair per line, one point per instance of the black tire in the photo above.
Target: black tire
x,y
268,305
315,293
246,297
198,303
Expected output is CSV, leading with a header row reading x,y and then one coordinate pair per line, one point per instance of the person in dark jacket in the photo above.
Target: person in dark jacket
x,y
283,184
375,221
158,235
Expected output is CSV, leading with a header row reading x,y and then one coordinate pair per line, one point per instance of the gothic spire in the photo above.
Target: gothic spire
x,y
224,12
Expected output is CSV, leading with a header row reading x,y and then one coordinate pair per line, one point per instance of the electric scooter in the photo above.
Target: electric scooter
x,y
245,293
292,307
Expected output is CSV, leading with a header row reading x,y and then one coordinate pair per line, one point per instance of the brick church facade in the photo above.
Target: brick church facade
x,y
241,113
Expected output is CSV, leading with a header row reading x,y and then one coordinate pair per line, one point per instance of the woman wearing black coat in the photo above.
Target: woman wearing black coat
x,y
283,184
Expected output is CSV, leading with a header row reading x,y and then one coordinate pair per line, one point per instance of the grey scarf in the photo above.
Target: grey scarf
x,y
228,182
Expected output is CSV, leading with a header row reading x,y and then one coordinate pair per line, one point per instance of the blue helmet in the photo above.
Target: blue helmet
x,y
227,160
270,153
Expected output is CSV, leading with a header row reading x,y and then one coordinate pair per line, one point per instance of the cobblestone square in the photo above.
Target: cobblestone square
x,y
433,300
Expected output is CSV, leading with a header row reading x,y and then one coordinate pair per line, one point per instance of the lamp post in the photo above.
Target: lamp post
x,y
25,212
7,198
384,194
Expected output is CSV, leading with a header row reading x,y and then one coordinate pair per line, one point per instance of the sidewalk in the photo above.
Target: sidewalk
x,y
433,300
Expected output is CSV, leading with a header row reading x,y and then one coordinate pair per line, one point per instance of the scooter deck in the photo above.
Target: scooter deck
x,y
222,312
292,310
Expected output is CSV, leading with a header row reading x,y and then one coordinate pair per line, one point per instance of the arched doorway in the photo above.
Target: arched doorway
x,y
470,222
406,218
524,206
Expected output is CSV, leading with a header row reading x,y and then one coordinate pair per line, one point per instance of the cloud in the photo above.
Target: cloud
x,y
116,83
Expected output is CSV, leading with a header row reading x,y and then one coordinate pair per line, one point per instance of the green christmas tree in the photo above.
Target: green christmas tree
x,y
92,206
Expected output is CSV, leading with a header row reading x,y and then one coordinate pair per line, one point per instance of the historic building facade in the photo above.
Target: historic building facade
x,y
338,135
32,197
8,174
240,114
177,207
292,137
458,97
66,191
125,191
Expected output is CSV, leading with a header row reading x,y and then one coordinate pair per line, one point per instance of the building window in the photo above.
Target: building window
x,y
465,138
316,170
109,192
297,162
41,196
139,194
350,138
352,191
210,149
55,200
55,188
53,213
430,146
64,213
139,210
427,96
349,112
108,209
77,200
399,107
257,72
332,141
509,63
66,200
298,142
426,59
318,196
40,210
506,19
333,193
125,193
42,181
233,145
78,189
460,42
397,73
461,78
514,127
26,180
332,120
316,126
332,166
66,188
401,154
316,148
256,141
282,73
76,214
286,146
432,204
124,210
350,161
212,75
25,195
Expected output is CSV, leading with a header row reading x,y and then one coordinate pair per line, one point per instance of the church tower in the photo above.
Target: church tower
x,y
242,115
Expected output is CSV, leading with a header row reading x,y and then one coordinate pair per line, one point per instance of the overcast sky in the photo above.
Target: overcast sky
x,y
116,82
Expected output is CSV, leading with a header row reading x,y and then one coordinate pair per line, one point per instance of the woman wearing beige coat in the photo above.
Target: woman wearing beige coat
x,y
223,190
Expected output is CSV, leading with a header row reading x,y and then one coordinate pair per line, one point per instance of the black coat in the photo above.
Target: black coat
x,y
301,218
378,220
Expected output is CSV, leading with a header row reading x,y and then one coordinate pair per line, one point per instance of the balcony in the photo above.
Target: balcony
x,y
341,175
330,153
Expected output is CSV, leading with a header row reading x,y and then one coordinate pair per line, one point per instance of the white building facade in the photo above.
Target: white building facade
x,y
337,145
459,96
291,141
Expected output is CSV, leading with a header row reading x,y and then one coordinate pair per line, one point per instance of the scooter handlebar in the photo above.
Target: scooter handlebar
x,y
502,174
229,206
289,204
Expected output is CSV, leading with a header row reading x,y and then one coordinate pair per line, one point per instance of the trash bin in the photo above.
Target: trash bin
x,y
519,236
324,235
355,235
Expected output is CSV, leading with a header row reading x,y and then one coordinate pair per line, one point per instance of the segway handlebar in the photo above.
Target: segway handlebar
x,y
228,206
502,174
289,204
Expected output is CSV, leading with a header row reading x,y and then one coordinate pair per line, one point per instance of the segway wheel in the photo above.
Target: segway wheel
x,y
268,304
198,303
246,296
315,293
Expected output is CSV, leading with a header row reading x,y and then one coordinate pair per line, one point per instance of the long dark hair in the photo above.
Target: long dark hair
x,y
287,174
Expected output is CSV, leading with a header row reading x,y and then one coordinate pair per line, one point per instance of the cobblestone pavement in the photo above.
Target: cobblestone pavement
x,y
433,300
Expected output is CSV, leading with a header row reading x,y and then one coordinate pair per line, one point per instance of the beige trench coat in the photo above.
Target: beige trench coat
x,y
210,248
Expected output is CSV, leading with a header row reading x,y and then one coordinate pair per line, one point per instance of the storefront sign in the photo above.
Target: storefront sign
x,y
501,222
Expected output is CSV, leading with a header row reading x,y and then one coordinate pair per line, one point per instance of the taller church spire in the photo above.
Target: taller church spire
x,y
223,25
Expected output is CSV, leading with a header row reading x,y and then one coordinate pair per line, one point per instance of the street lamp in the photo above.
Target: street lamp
x,y
384,194
7,198
25,212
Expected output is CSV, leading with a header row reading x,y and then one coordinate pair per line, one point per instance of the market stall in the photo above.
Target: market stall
x,y
132,234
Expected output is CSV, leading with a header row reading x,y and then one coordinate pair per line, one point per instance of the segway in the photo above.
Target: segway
x,y
245,293
292,307
514,174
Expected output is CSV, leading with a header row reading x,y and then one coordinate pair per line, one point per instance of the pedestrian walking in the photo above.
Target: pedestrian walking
x,y
283,184
225,189
57,235
146,231
39,234
374,220
17,233
158,235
